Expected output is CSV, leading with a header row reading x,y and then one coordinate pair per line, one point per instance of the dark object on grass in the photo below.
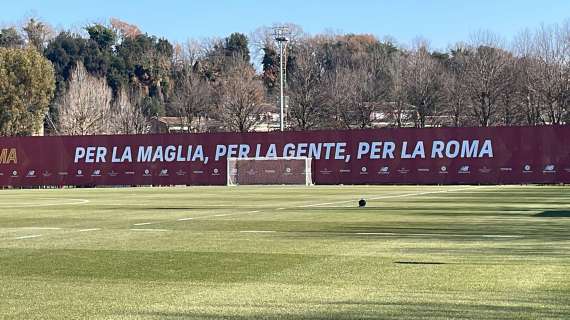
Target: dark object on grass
x,y
418,262
554,214
361,203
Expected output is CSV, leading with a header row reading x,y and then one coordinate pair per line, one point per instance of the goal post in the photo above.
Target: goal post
x,y
269,171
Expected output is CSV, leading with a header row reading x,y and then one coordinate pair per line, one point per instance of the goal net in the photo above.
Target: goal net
x,y
266,171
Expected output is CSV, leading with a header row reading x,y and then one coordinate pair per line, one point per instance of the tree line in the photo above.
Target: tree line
x,y
113,79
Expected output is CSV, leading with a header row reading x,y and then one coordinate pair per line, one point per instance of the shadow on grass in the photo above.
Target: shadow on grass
x,y
382,310
554,214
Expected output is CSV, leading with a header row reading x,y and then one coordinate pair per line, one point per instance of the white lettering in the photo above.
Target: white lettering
x,y
437,149
419,150
487,149
79,153
389,148
363,149
221,151
452,149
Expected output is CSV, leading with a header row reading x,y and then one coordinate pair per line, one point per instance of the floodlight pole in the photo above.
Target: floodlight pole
x,y
281,41
281,85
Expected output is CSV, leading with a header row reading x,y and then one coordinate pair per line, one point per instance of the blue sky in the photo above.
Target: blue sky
x,y
443,22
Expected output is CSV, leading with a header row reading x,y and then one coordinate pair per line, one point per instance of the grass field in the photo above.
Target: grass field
x,y
436,252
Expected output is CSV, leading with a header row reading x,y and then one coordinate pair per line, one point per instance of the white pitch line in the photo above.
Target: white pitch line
x,y
438,234
227,214
257,231
157,230
87,230
39,228
499,236
142,224
28,237
184,219
280,209
390,197
28,205
377,233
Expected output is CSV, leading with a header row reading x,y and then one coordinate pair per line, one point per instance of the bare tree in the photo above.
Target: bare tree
x,y
305,87
38,33
85,107
127,116
528,101
551,62
240,95
396,108
423,83
455,100
337,91
486,76
191,100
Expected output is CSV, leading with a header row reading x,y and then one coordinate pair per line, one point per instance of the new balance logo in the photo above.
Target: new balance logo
x,y
549,168
464,169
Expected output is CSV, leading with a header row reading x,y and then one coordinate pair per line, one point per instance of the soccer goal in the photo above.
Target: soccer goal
x,y
267,171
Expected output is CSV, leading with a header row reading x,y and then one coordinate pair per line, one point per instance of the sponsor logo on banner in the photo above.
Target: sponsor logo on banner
x,y
46,174
549,168
364,170
463,170
325,171
146,173
443,170
216,172
180,172
344,170
1,174
423,170
163,173
198,171
31,174
79,173
112,173
527,168
14,174
62,173
384,170
129,173
287,170
251,172
567,169
484,170
266,171
506,169
96,173
403,170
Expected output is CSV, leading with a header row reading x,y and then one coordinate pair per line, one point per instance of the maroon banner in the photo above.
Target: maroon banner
x,y
503,155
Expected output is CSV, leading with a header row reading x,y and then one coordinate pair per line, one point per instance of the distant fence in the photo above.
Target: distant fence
x,y
502,155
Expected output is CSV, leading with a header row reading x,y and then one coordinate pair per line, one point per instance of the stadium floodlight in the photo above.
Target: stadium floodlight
x,y
269,171
280,36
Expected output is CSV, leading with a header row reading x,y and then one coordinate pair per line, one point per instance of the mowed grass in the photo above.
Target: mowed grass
x,y
415,252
